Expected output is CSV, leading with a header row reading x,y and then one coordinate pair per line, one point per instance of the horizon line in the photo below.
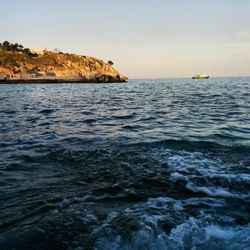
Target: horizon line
x,y
183,77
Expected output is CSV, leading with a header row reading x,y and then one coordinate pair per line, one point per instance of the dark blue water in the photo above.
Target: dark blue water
x,y
148,164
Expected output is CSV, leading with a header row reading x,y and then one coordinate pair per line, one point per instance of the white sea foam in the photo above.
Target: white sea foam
x,y
212,191
196,168
211,202
192,234
216,191
218,232
162,221
177,176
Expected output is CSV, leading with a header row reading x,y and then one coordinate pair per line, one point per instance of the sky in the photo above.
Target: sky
x,y
144,38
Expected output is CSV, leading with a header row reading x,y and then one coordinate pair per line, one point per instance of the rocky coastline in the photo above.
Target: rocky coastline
x,y
96,79
24,65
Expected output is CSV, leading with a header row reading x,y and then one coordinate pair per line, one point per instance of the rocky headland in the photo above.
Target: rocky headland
x,y
24,65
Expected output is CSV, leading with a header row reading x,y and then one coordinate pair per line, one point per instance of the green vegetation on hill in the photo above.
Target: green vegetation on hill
x,y
7,46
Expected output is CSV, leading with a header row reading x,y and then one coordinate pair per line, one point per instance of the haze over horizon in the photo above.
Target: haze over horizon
x,y
144,38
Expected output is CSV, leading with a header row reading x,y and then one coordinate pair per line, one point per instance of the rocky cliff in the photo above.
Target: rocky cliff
x,y
21,64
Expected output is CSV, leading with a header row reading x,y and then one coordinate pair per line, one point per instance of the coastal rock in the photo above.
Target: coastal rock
x,y
25,65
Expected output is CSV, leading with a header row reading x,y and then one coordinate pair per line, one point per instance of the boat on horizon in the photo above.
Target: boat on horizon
x,y
201,76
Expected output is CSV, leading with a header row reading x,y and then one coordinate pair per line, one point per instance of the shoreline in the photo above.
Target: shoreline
x,y
60,80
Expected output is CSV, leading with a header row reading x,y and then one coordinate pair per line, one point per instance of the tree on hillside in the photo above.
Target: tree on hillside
x,y
20,46
11,46
26,50
16,46
110,63
6,45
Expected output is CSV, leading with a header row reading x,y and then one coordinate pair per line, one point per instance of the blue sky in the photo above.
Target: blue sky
x,y
144,38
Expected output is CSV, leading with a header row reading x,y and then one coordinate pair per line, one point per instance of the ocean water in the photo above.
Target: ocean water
x,y
147,164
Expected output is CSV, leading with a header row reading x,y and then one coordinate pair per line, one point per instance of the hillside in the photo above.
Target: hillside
x,y
23,64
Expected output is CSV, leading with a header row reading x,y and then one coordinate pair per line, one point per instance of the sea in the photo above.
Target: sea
x,y
146,164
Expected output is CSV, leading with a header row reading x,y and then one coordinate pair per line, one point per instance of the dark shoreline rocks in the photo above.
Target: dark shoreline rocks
x,y
96,79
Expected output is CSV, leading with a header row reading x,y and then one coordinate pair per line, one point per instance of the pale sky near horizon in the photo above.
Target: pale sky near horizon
x,y
144,38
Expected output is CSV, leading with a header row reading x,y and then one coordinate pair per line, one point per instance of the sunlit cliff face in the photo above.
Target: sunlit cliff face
x,y
26,64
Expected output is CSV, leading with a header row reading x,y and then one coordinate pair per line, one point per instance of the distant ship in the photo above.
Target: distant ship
x,y
201,76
